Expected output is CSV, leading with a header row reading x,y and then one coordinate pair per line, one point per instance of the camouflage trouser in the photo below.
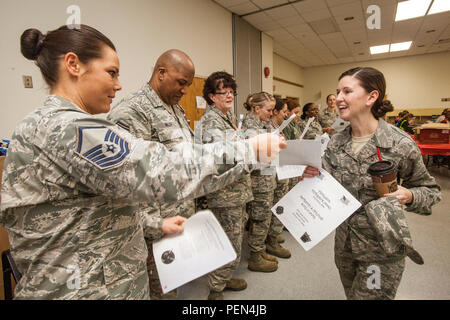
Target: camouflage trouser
x,y
260,216
185,209
368,280
232,220
276,227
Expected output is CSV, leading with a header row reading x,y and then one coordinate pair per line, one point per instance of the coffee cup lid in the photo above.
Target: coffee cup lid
x,y
381,168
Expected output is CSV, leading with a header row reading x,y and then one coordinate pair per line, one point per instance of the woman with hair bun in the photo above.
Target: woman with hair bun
x,y
371,245
73,182
260,108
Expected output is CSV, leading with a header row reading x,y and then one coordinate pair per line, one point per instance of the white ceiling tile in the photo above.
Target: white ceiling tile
x,y
380,3
334,3
299,29
291,21
310,5
243,8
316,15
259,17
282,12
348,9
263,4
346,60
230,3
334,39
446,32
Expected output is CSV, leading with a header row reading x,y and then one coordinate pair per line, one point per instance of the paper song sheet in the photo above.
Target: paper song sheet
x,y
289,171
301,152
314,208
340,124
307,127
201,248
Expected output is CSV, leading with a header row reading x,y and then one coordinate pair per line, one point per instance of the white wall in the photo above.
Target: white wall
x,y
140,29
267,61
289,71
412,82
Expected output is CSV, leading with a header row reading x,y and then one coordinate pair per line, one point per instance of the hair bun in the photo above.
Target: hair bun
x,y
31,43
387,106
382,108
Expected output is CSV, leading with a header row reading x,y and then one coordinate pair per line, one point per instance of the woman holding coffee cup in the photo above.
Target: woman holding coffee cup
x,y
390,153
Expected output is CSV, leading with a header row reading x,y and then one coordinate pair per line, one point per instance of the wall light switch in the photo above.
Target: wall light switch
x,y
27,81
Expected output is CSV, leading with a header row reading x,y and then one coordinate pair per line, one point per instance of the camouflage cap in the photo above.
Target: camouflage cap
x,y
386,216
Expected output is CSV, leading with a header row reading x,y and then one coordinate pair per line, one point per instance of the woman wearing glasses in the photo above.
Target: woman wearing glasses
x,y
227,204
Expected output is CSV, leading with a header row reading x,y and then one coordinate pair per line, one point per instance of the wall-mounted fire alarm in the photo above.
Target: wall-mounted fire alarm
x,y
266,72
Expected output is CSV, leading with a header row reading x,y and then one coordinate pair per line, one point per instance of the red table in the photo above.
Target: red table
x,y
434,149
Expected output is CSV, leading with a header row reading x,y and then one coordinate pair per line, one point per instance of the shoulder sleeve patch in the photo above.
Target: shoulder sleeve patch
x,y
101,146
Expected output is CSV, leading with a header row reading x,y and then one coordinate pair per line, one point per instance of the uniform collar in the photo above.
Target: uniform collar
x,y
380,139
214,108
155,99
54,100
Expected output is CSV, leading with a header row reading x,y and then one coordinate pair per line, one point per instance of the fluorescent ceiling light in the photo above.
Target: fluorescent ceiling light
x,y
400,46
439,6
412,9
379,49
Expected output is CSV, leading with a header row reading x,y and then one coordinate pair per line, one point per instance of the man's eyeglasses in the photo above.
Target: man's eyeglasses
x,y
226,93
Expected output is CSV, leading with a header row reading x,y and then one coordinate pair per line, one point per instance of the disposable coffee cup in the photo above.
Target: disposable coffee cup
x,y
384,176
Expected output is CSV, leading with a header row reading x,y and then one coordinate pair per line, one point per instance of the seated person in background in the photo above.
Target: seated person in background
x,y
400,117
310,110
328,116
405,123
442,116
447,117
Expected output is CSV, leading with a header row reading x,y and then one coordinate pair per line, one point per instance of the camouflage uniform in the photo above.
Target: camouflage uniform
x,y
327,118
227,204
276,227
70,185
263,187
146,116
292,132
314,130
358,244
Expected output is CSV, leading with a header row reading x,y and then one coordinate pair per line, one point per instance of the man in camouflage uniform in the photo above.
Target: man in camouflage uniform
x,y
227,204
153,113
260,213
70,185
358,245
329,115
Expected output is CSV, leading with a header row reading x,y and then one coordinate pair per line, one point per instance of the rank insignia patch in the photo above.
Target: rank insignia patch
x,y
101,146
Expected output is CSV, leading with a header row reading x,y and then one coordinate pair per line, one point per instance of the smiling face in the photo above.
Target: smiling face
x,y
223,98
279,116
331,101
352,99
264,112
98,82
313,111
